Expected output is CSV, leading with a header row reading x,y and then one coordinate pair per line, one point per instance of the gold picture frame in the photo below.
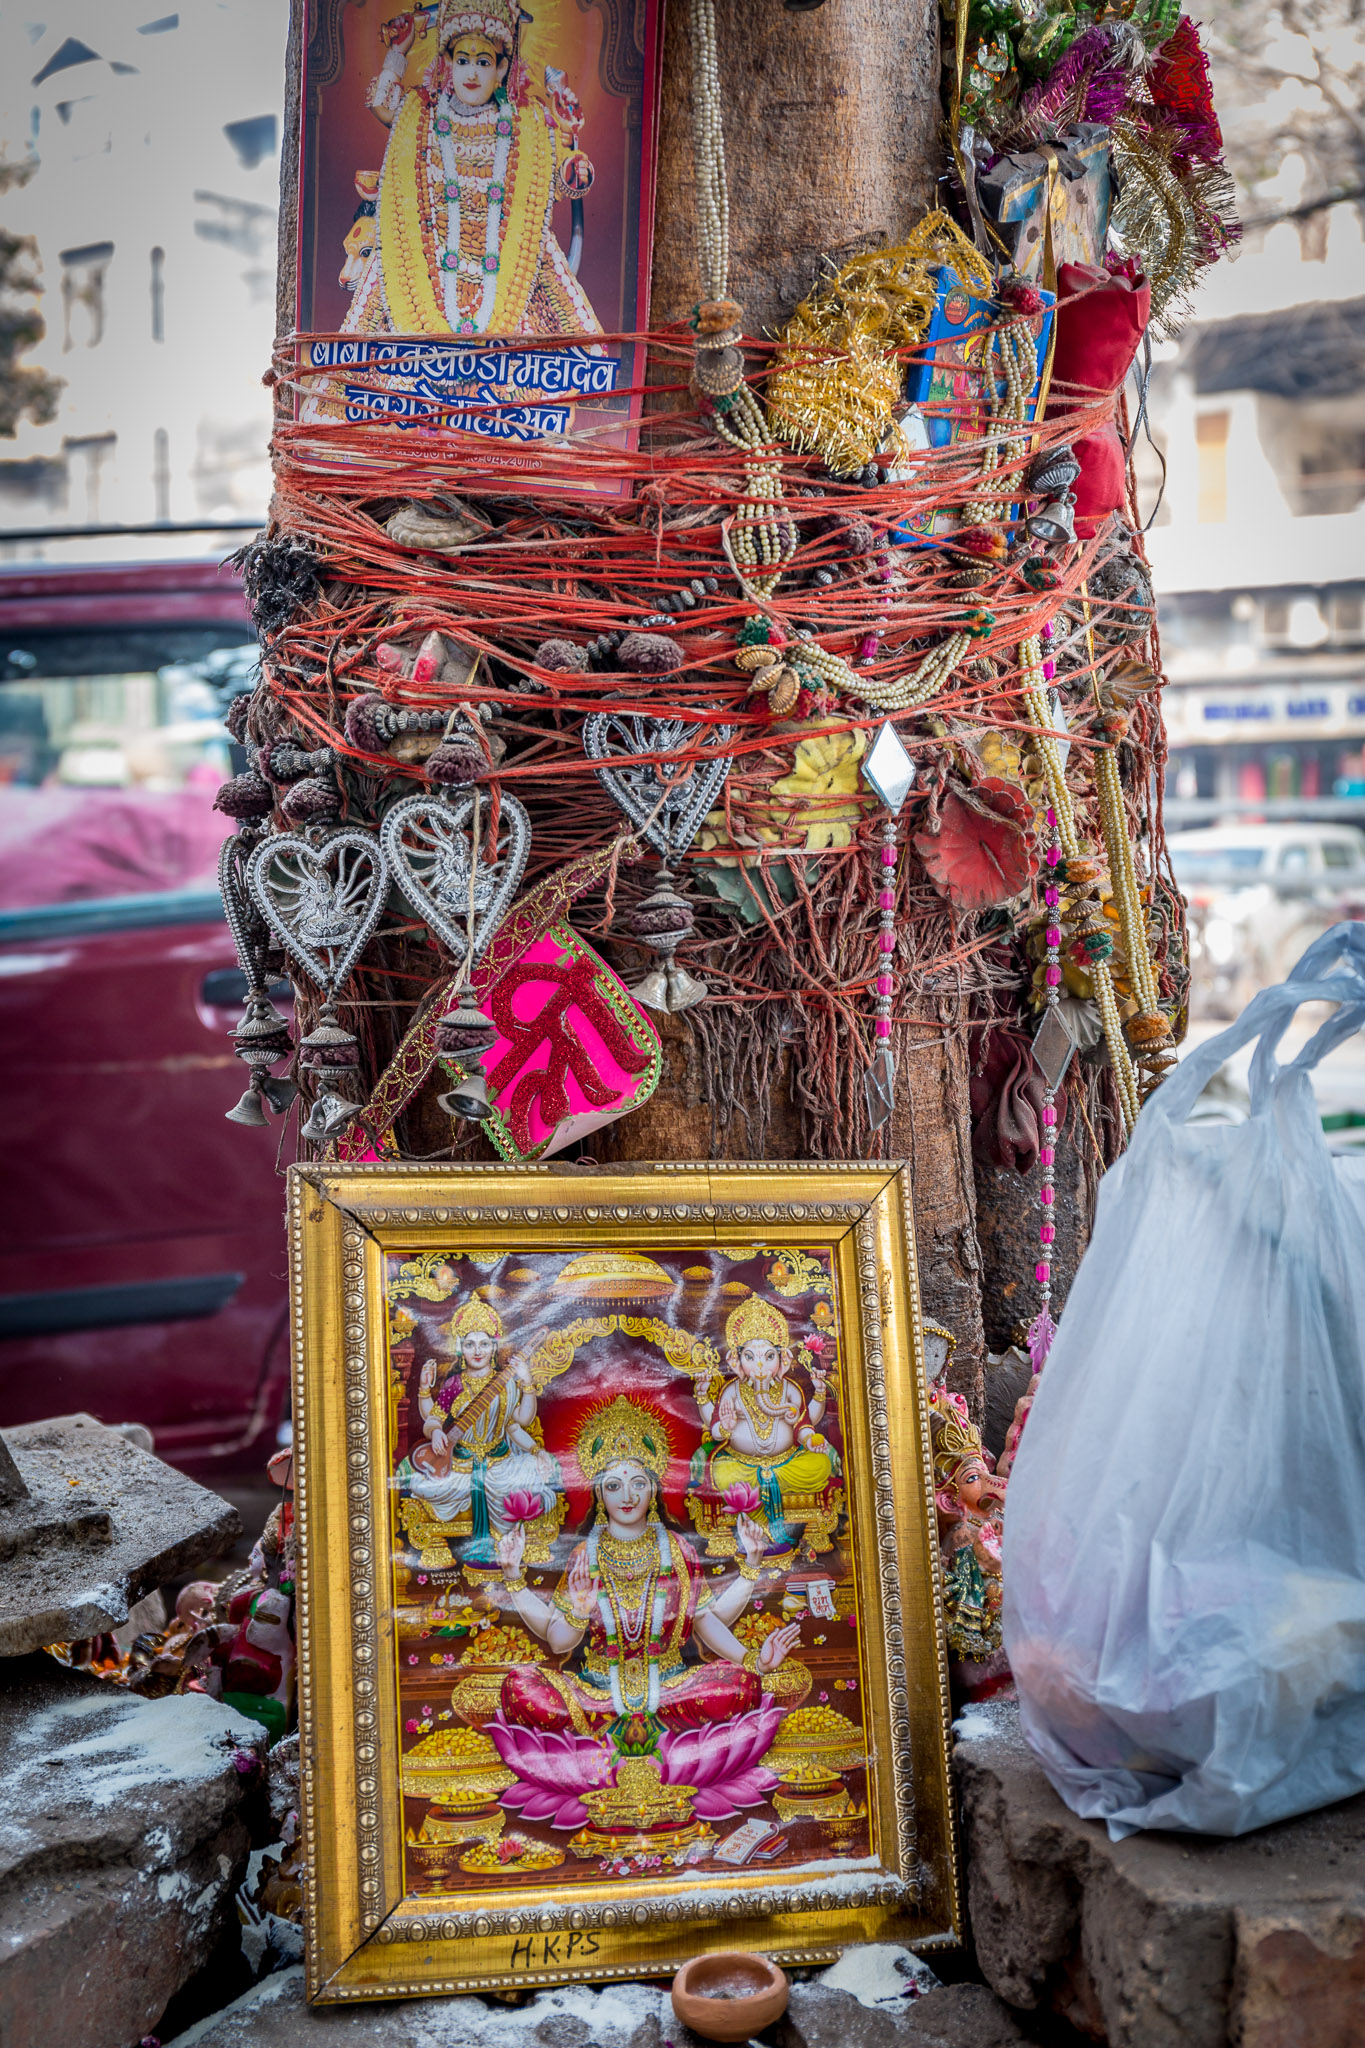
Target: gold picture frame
x,y
543,1827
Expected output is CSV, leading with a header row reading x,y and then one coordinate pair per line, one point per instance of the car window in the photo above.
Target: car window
x,y
110,760
1296,860
1337,854
1216,863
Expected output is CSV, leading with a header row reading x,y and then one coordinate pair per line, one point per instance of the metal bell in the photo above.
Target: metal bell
x,y
1053,473
652,992
669,988
1055,521
278,1091
249,1110
684,989
330,1116
468,1099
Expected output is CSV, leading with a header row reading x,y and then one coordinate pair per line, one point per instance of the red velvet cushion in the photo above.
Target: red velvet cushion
x,y
1098,332
1101,487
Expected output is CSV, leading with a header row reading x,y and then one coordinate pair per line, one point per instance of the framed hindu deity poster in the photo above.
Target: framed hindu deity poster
x,y
476,195
619,1624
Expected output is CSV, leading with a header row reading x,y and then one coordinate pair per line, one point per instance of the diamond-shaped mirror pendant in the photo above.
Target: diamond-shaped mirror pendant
x,y
888,770
879,1087
1053,1046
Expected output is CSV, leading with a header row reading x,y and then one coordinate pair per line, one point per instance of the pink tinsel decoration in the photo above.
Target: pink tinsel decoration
x,y
1041,108
1107,96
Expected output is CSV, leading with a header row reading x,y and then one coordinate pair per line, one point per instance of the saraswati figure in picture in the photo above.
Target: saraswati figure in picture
x,y
477,1420
463,242
633,1598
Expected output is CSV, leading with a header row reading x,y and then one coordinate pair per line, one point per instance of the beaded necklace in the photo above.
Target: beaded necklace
x,y
761,1413
625,1629
454,266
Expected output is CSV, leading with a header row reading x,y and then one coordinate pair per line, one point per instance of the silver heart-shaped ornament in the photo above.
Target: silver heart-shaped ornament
x,y
666,801
249,935
428,840
321,901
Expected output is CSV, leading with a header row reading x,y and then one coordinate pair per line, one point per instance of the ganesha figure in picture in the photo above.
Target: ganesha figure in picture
x,y
633,1598
765,1428
462,239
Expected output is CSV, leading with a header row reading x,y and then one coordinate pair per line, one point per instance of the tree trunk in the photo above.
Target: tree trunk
x,y
832,124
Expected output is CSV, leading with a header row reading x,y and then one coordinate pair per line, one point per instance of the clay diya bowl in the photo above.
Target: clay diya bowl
x,y
730,1995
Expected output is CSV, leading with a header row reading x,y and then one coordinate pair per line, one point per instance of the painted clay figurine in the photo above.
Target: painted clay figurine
x,y
970,1500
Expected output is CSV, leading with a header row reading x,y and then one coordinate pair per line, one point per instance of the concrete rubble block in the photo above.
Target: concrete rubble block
x,y
883,1997
89,1522
1163,1940
865,2001
275,2015
122,1843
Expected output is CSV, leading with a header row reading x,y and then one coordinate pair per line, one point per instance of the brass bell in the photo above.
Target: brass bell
x,y
330,1116
248,1111
1055,521
718,371
468,1099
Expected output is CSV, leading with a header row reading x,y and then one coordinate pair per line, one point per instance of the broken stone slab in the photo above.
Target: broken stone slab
x,y
880,1996
93,1523
864,2001
1163,1940
122,1843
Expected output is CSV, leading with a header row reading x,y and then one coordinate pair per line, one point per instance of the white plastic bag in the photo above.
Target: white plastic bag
x,y
1185,1529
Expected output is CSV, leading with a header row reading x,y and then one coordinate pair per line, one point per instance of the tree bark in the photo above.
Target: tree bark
x,y
832,123
831,140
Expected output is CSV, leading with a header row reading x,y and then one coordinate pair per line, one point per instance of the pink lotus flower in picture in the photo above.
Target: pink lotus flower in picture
x,y
522,1507
741,1498
722,1763
815,1344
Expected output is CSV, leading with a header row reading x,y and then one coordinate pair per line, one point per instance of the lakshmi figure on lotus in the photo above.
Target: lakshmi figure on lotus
x,y
474,164
764,1425
479,1450
633,1597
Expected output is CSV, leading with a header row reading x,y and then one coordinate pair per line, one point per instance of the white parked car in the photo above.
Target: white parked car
x,y
1258,895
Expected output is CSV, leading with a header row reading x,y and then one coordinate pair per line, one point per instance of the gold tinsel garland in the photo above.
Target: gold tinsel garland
x,y
1175,224
840,372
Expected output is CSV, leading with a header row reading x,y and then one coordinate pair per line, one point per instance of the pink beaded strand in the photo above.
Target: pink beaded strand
x,y
886,933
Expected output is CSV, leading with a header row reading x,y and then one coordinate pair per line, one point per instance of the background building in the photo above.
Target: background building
x,y
1258,546
153,143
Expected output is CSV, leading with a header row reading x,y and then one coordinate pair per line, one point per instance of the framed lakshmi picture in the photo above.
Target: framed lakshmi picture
x,y
476,199
619,1629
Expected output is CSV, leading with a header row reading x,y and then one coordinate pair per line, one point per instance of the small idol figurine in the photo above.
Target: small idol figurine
x,y
970,1501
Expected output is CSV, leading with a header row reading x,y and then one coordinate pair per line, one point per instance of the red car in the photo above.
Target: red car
x,y
142,1258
